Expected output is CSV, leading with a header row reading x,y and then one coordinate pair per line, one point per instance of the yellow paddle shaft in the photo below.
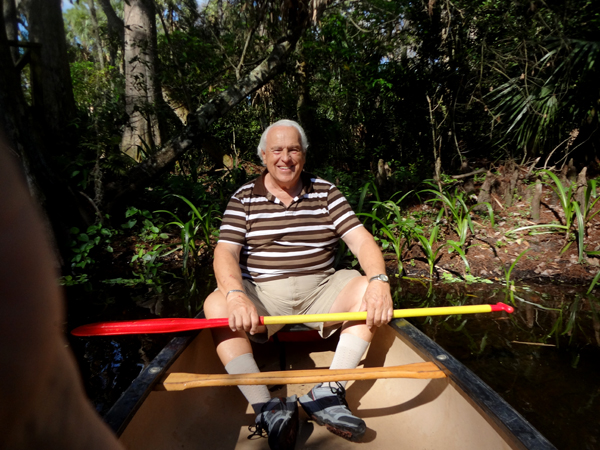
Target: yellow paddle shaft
x,y
398,313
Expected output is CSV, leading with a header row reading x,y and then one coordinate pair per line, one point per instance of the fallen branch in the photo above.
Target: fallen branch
x,y
533,343
466,175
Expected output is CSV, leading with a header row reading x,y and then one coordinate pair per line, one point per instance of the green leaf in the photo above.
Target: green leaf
x,y
130,212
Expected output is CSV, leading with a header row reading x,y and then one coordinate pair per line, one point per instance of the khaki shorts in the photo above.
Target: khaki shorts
x,y
308,294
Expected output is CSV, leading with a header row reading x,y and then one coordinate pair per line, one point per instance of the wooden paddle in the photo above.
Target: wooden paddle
x,y
176,325
182,381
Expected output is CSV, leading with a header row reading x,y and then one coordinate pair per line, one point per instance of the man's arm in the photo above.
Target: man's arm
x,y
42,402
378,299
241,311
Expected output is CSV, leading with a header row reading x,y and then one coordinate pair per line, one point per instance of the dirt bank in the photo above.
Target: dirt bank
x,y
492,247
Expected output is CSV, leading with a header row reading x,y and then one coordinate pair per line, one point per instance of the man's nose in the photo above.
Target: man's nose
x,y
286,154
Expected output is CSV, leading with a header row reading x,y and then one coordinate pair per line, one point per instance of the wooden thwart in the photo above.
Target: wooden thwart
x,y
182,381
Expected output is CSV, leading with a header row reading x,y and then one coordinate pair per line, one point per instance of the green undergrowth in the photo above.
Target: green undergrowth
x,y
146,251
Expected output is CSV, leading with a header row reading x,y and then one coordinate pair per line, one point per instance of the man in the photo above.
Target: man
x,y
275,257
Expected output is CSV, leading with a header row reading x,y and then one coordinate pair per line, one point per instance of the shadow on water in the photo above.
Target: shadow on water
x,y
544,359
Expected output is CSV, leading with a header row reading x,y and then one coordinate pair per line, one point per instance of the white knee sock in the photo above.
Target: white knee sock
x,y
348,353
257,396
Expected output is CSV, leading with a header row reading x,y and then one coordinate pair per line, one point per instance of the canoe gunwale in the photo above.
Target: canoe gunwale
x,y
505,417
121,413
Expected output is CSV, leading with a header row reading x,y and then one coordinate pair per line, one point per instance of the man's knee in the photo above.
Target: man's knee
x,y
363,282
215,305
359,287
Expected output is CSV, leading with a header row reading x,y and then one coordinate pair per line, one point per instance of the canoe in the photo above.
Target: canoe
x,y
456,411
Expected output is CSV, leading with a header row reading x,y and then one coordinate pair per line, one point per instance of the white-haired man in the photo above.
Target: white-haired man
x,y
275,257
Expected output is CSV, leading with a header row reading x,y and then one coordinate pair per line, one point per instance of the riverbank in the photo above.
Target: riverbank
x,y
492,249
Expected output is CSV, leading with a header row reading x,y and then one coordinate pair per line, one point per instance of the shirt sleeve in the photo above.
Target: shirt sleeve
x,y
341,212
233,226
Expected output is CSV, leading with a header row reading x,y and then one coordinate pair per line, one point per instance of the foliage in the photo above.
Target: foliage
x,y
395,230
430,250
200,227
572,211
458,214
534,107
85,245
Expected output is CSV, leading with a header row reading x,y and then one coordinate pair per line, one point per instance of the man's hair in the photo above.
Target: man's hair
x,y
282,123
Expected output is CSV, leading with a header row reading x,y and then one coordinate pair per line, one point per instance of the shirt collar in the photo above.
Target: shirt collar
x,y
261,190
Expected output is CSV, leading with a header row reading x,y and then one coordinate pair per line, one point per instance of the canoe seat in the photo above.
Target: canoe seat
x,y
296,333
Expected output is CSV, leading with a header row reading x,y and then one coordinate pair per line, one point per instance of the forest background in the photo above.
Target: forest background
x,y
464,133
135,120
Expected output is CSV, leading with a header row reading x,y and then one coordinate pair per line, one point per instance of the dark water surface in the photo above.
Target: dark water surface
x,y
544,359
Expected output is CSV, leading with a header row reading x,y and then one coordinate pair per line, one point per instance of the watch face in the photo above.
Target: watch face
x,y
381,277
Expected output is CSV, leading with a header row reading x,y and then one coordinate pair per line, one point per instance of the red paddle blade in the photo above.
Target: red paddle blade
x,y
148,326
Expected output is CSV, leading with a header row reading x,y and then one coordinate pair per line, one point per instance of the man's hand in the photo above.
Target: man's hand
x,y
242,313
378,304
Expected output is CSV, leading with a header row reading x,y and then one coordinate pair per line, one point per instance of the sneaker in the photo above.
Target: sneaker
x,y
278,420
327,406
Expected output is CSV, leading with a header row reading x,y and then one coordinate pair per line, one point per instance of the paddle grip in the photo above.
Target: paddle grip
x,y
502,307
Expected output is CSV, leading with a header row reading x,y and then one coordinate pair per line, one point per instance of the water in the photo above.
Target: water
x,y
544,359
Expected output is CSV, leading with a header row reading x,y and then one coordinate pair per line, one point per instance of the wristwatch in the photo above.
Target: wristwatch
x,y
381,277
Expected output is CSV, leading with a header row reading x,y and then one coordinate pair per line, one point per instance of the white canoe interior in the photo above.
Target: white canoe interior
x,y
400,413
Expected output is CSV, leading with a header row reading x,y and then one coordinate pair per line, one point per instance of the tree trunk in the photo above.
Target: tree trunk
x,y
536,201
27,139
581,187
115,24
141,133
10,25
571,171
305,106
484,193
96,30
58,104
116,30
511,175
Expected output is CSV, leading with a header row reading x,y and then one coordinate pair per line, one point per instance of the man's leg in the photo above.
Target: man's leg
x,y
326,402
235,351
355,337
278,417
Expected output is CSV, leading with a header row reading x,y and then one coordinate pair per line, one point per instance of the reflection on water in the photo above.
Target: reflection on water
x,y
544,359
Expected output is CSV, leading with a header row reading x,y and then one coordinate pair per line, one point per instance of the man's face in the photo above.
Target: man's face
x,y
283,156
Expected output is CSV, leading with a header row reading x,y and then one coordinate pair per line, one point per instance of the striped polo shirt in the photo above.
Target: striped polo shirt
x,y
279,241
